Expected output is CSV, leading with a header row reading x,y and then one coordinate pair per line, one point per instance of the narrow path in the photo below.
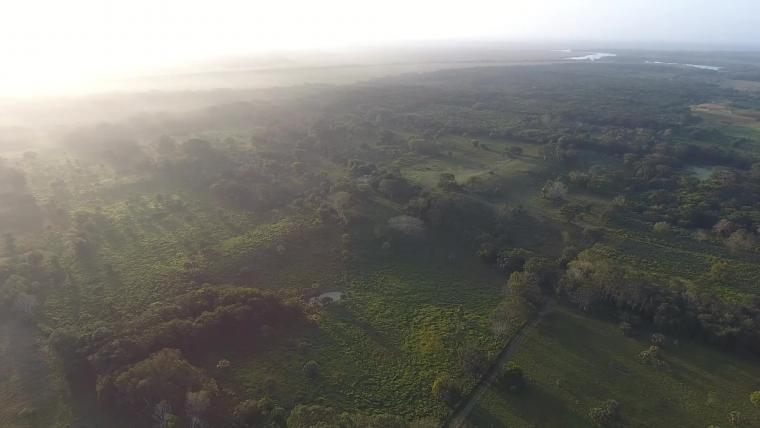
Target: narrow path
x,y
464,408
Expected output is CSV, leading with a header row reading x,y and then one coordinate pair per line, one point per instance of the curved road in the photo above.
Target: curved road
x,y
462,411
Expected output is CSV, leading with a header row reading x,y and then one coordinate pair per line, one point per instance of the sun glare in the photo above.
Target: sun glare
x,y
51,46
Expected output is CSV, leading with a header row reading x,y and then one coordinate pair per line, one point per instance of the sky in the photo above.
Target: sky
x,y
47,44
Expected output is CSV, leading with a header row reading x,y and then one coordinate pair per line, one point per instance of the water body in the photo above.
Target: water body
x,y
593,56
335,296
699,66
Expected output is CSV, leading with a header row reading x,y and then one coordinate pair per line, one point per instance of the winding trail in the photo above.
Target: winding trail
x,y
462,411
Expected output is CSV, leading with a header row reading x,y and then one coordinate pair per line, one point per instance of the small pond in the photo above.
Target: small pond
x,y
335,296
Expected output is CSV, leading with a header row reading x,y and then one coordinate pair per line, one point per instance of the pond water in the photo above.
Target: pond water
x,y
335,296
593,56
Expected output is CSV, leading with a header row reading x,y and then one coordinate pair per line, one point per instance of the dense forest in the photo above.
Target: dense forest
x,y
362,255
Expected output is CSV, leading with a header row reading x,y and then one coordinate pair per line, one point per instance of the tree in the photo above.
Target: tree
x,y
164,375
526,286
724,227
555,191
509,315
545,271
447,182
511,378
741,240
718,271
755,398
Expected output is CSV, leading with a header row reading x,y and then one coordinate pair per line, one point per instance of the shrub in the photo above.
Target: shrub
x,y
606,414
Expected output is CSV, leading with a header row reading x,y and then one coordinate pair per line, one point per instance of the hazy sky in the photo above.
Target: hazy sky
x,y
44,43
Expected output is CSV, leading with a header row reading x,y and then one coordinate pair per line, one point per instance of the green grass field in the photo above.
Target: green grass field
x,y
574,362
380,348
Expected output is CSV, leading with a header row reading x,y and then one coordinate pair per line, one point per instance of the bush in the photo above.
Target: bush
x,y
605,415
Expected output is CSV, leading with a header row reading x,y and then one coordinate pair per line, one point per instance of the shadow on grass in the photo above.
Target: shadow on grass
x,y
481,417
344,314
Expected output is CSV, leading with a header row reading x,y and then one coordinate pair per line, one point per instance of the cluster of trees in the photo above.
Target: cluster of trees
x,y
654,179
729,194
145,362
598,285
234,175
537,104
523,297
